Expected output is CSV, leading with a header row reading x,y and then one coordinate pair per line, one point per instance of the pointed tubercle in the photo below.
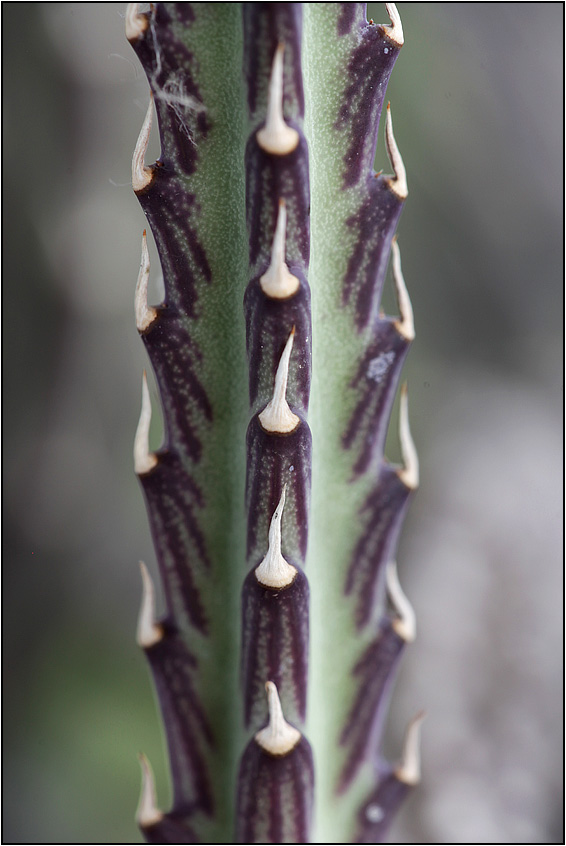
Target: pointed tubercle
x,y
409,473
405,621
277,417
274,571
142,175
278,283
405,325
144,460
136,24
409,770
148,813
278,737
275,136
399,182
145,315
393,31
149,632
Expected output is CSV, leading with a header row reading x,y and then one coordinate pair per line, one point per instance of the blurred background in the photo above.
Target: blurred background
x,y
477,101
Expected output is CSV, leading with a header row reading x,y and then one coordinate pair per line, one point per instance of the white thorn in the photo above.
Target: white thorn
x,y
142,175
278,282
149,632
277,417
399,183
405,326
278,737
145,315
409,770
405,623
393,31
274,572
148,813
275,136
136,24
409,473
144,460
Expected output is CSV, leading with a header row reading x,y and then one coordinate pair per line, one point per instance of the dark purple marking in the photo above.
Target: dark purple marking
x,y
275,643
269,179
374,223
368,73
376,815
171,212
186,726
375,385
268,325
173,503
375,674
170,829
265,26
172,72
350,14
275,795
272,462
381,516
176,361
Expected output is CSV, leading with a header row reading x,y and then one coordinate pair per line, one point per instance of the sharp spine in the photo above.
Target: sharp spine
x,y
409,770
142,176
278,282
393,31
148,814
409,473
405,325
279,737
144,460
405,622
275,136
274,571
149,632
145,315
399,182
277,417
136,24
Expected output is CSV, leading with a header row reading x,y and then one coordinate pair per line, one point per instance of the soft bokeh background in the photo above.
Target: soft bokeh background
x,y
477,103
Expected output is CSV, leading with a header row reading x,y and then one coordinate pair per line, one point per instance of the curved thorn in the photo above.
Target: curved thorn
x,y
148,813
277,417
405,622
278,737
409,474
278,282
274,572
275,136
393,31
149,632
136,24
142,175
409,770
399,183
405,325
144,460
145,315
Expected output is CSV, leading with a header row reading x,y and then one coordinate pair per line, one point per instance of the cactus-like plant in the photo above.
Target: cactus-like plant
x,y
274,514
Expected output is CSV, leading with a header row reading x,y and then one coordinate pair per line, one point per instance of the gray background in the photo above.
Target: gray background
x,y
477,104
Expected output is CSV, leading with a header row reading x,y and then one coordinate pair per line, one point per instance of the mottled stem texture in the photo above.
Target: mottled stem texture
x,y
274,514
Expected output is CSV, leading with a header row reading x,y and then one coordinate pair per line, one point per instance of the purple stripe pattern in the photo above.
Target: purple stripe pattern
x,y
378,812
381,516
274,646
275,795
375,385
374,675
188,734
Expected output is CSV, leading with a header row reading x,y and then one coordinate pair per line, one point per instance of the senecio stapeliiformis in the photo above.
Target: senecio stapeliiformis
x,y
276,372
